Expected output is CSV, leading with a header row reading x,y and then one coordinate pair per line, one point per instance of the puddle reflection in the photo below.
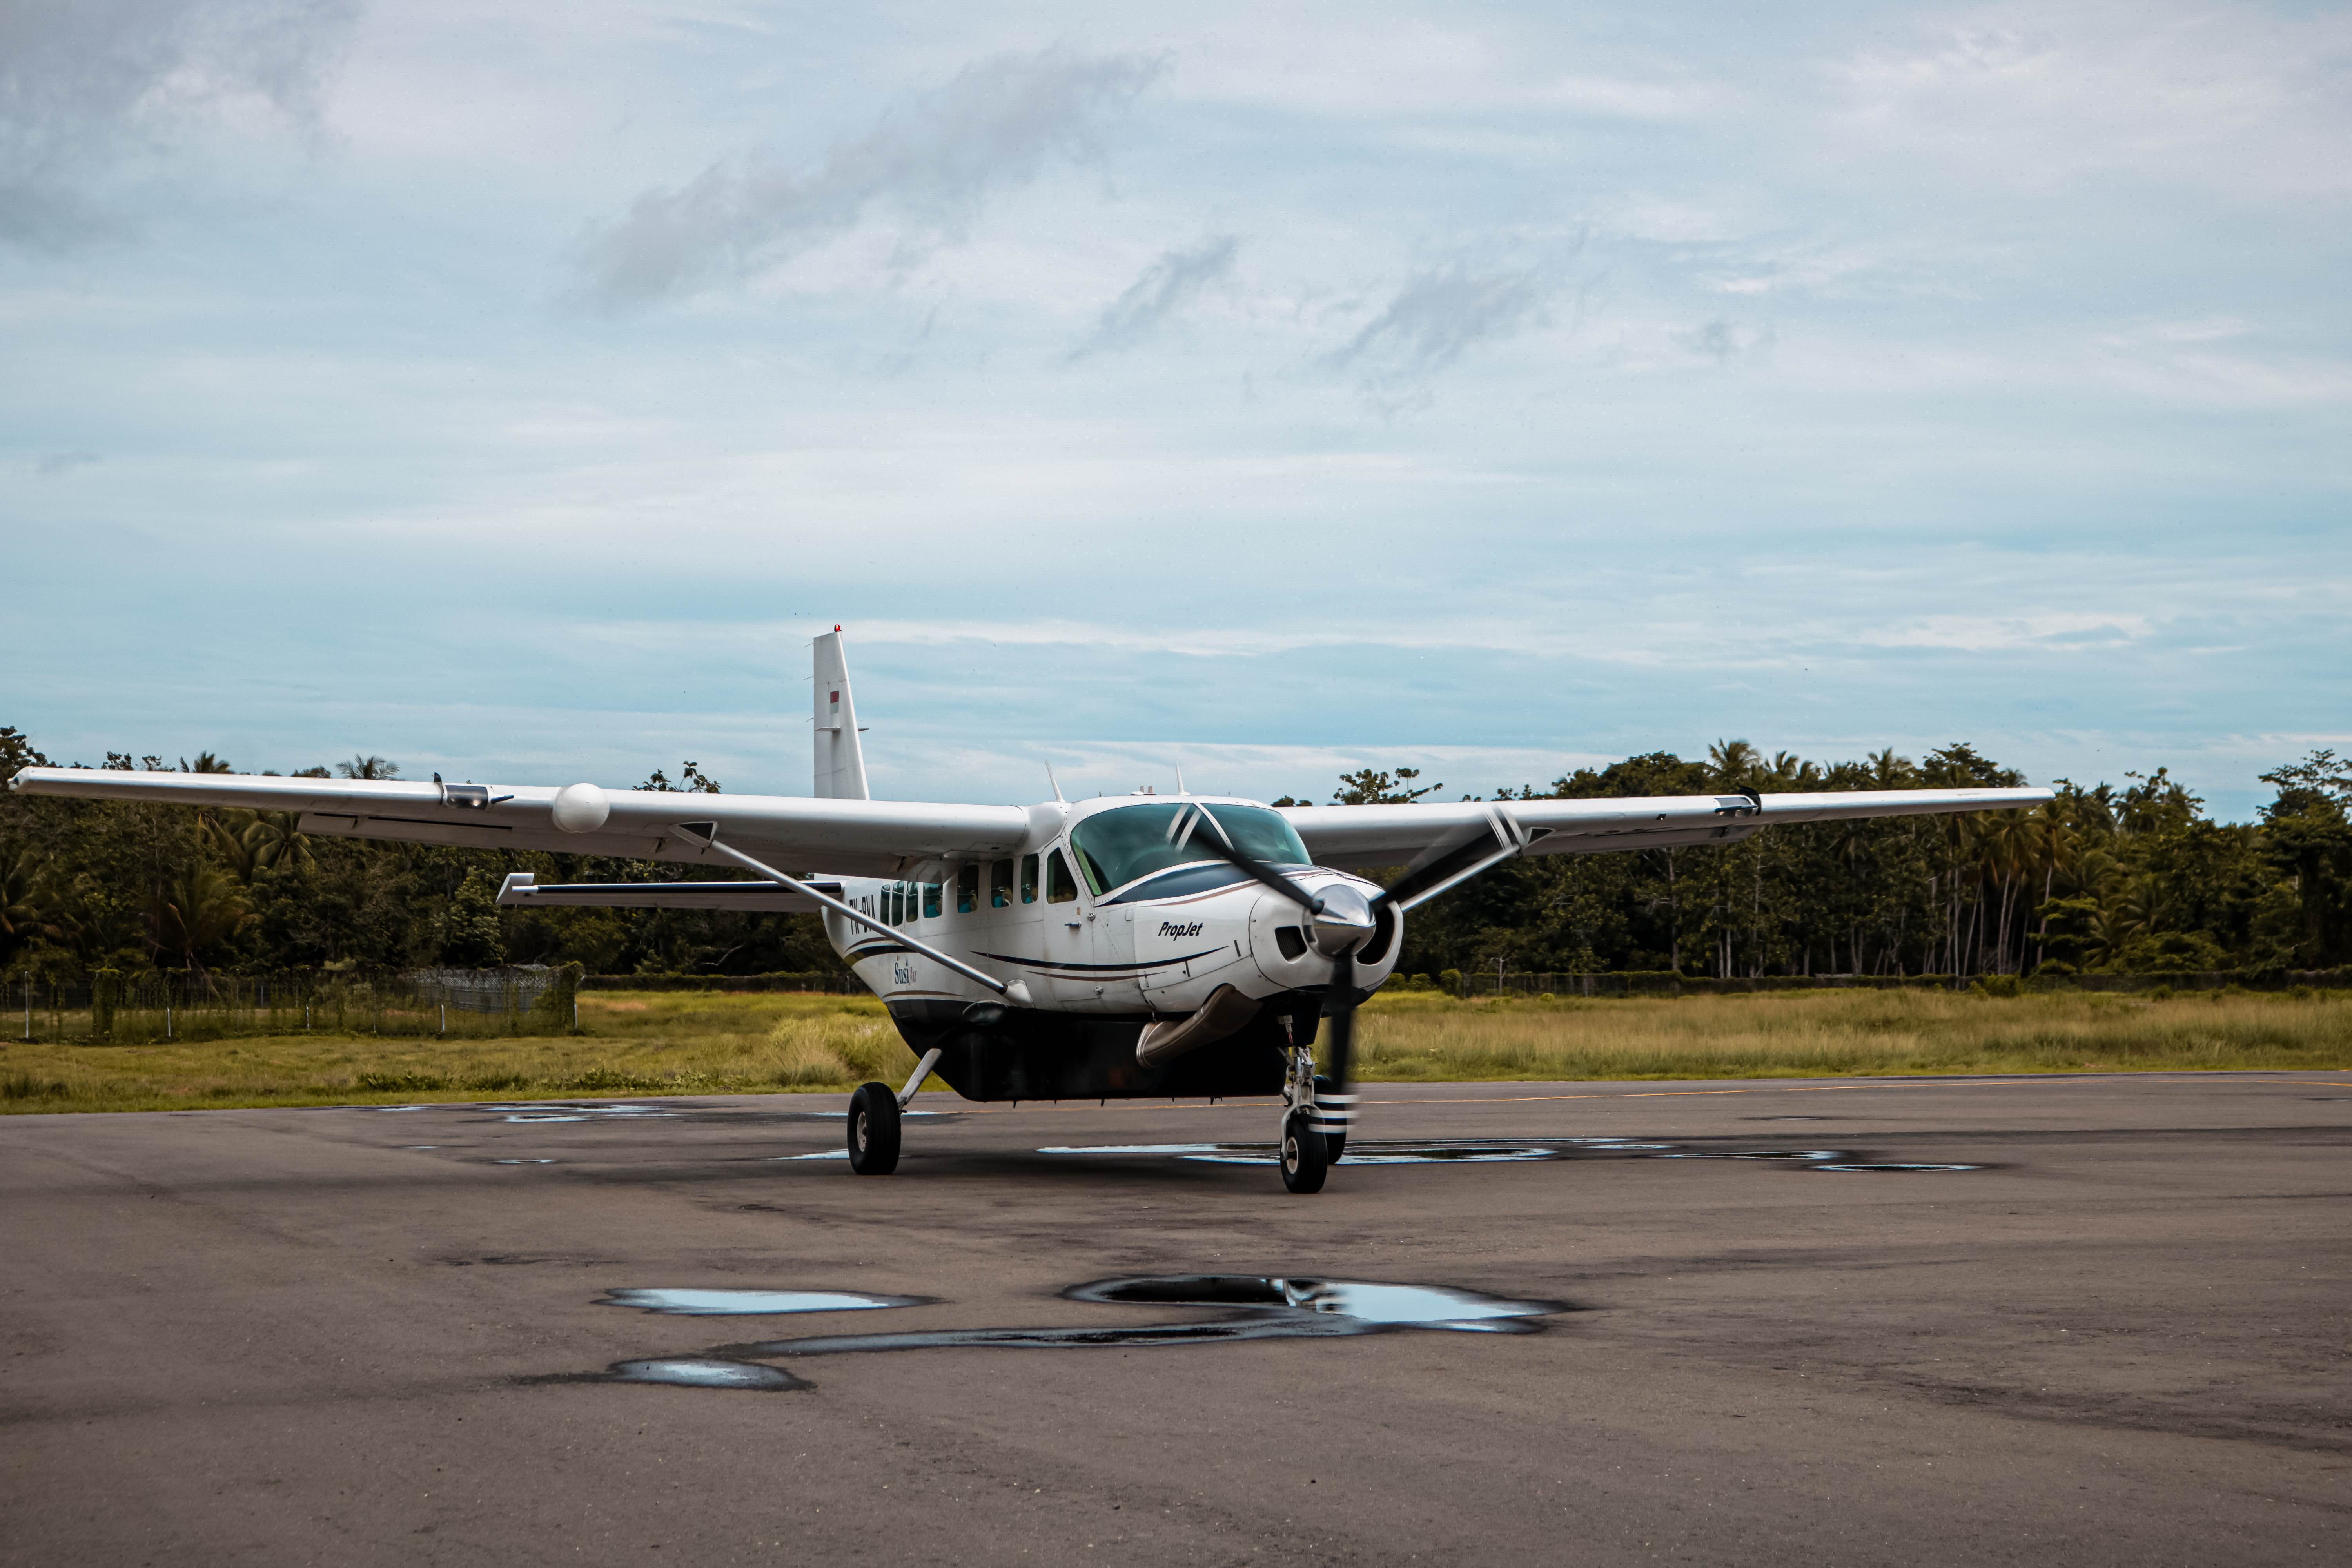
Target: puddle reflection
x,y
1257,1307
690,1302
702,1372
1485,1151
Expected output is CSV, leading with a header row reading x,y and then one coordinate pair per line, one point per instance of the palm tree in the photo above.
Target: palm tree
x,y
227,834
1733,762
23,898
368,767
254,841
196,909
2007,843
2056,846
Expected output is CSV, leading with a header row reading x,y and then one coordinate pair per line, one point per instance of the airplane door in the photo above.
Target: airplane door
x,y
1091,951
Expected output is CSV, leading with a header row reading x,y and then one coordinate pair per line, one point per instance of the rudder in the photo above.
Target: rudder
x,y
840,760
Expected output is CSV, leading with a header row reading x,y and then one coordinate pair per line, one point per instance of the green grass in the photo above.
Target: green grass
x,y
1421,1037
714,1043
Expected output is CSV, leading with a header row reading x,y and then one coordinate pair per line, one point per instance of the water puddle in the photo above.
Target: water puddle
x,y
522,1161
699,1372
1494,1150
1390,1154
715,1303
820,1154
1255,1307
552,1111
842,1115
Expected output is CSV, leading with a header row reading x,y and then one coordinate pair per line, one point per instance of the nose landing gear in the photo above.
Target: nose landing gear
x,y
1313,1127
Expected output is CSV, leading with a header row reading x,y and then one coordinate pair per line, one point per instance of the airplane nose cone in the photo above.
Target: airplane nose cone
x,y
1343,922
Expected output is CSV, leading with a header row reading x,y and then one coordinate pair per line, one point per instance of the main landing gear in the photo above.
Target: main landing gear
x,y
874,1131
874,1120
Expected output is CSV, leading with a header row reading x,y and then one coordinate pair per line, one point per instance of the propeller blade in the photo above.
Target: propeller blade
x,y
1213,841
1335,1109
1455,865
1342,1008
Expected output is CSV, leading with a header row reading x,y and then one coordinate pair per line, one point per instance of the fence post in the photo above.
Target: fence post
x,y
102,984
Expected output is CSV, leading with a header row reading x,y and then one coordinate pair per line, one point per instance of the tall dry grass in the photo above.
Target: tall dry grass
x,y
719,1044
1829,1032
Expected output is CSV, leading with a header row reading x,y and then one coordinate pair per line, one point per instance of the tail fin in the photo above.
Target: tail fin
x,y
840,760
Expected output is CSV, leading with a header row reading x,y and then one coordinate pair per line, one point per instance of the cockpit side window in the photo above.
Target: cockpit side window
x,y
1061,888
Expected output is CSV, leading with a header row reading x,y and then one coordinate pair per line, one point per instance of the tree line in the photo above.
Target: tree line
x,y
2130,879
2136,878
134,887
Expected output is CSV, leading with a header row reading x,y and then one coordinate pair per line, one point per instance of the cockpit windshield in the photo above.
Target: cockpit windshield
x,y
1116,846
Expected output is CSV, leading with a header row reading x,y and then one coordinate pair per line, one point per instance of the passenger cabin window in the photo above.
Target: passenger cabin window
x,y
930,900
968,887
894,906
1117,846
1061,888
1028,878
1000,884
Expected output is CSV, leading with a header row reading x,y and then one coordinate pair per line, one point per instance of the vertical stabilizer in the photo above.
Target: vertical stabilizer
x,y
840,760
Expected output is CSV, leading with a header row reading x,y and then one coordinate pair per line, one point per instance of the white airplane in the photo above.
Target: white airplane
x,y
1127,946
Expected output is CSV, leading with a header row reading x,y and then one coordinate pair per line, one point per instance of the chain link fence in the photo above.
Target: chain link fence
x,y
110,1008
1666,983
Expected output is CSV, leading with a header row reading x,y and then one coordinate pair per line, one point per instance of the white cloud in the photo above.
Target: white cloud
x,y
87,86
1434,318
1164,289
926,166
2049,629
2246,98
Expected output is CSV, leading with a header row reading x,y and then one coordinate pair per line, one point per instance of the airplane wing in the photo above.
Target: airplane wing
x,y
1426,834
901,839
794,833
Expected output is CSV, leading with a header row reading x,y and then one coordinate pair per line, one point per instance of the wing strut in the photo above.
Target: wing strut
x,y
707,834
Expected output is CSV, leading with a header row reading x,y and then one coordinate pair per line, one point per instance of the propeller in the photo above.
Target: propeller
x,y
1340,920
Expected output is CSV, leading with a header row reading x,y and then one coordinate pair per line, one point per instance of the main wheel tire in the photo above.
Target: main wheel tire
x,y
1334,1144
1303,1161
873,1129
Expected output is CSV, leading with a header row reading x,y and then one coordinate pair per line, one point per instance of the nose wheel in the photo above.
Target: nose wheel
x,y
1305,1159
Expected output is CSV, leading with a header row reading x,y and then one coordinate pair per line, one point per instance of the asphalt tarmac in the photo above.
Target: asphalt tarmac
x,y
1661,1323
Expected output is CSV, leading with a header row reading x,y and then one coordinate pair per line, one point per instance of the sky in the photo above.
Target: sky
x,y
512,390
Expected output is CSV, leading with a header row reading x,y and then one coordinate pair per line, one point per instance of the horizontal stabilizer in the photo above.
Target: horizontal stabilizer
x,y
522,887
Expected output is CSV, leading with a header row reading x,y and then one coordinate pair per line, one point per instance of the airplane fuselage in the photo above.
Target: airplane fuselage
x,y
1107,920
